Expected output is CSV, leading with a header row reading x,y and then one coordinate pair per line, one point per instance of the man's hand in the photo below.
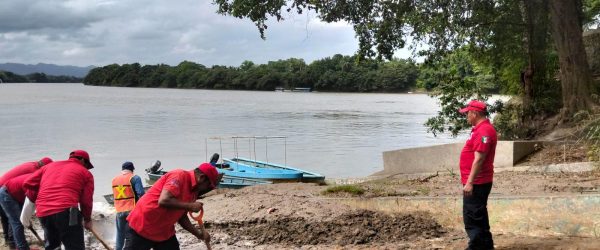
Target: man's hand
x,y
88,225
195,206
468,189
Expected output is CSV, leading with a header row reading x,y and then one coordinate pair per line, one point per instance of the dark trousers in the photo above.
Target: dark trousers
x,y
57,230
8,237
476,219
134,241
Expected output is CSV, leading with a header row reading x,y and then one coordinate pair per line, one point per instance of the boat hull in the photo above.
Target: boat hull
x,y
307,176
238,169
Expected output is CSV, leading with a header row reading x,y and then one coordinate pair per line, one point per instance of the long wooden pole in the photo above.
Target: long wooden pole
x,y
100,239
36,234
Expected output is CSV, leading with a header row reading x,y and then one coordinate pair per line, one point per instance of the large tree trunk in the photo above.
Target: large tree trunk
x,y
575,74
533,76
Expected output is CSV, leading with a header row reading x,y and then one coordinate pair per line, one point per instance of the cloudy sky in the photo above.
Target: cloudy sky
x,y
100,32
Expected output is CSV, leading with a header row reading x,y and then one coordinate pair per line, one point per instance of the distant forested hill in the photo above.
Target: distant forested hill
x,y
10,77
48,69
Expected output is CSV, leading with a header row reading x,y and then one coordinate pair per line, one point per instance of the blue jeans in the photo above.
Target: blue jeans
x,y
7,231
12,208
122,227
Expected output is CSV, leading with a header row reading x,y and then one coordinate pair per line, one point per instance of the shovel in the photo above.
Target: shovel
x,y
36,234
201,223
100,239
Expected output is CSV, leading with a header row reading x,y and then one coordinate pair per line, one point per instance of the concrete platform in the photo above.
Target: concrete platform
x,y
445,157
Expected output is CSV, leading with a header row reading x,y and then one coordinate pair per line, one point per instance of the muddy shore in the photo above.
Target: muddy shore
x,y
302,216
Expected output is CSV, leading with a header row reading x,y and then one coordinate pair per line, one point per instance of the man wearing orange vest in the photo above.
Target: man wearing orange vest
x,y
127,190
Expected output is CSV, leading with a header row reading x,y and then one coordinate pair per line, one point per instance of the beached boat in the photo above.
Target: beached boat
x,y
307,176
243,170
111,199
264,170
227,181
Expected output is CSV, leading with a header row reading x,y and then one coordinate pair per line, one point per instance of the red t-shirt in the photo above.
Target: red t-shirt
x,y
157,223
61,185
25,168
15,189
483,139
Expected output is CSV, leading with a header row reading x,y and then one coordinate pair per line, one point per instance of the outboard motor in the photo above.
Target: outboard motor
x,y
155,168
214,159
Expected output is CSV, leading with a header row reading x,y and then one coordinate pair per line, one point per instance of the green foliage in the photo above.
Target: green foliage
x,y
591,13
454,81
508,122
591,136
8,76
337,73
350,189
11,77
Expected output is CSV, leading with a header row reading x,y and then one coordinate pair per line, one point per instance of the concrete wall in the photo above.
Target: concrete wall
x,y
445,157
573,215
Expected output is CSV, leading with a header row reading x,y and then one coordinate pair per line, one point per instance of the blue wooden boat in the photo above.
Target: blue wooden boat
x,y
239,182
239,169
227,181
306,175
111,199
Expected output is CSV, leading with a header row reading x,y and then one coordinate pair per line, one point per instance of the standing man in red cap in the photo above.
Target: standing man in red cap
x,y
477,172
25,168
57,189
152,221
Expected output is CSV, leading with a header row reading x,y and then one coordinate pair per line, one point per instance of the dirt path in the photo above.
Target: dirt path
x,y
506,183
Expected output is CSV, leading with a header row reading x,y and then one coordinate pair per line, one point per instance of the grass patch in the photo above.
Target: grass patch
x,y
351,189
423,190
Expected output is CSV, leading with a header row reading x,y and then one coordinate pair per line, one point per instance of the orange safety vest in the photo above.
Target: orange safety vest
x,y
123,192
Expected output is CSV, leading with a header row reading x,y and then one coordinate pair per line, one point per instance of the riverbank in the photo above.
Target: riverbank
x,y
302,216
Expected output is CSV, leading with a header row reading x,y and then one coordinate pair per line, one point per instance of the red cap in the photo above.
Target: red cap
x,y
84,155
474,105
211,172
45,161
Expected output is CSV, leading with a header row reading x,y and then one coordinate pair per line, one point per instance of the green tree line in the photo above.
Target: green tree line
x,y
336,73
10,77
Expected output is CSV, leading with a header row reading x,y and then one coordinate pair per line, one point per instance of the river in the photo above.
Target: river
x,y
337,134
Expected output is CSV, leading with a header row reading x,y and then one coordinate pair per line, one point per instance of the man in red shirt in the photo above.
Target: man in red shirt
x,y
57,189
25,168
477,172
152,221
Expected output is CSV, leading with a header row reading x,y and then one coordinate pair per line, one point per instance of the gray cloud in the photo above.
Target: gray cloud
x,y
32,15
86,32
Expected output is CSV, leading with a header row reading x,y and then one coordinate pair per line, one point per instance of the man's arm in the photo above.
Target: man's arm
x,y
167,200
32,184
87,198
475,169
138,188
